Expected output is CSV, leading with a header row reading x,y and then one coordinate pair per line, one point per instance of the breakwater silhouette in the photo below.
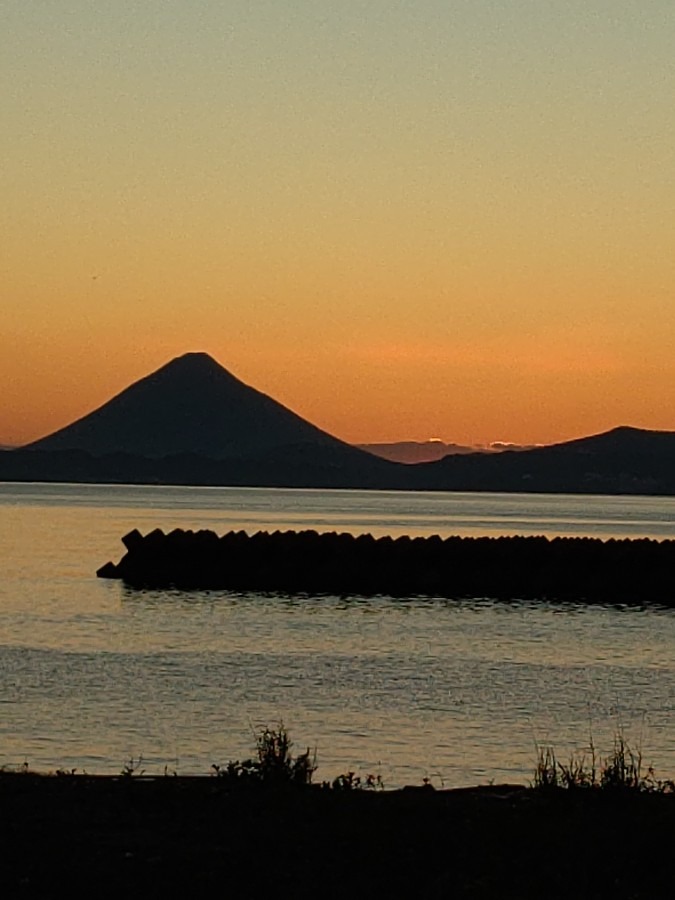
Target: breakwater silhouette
x,y
512,568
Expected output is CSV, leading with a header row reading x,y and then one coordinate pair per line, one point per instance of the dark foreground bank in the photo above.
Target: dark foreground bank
x,y
569,569
181,836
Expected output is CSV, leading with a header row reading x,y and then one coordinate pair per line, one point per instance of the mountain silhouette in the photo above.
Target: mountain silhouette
x,y
193,422
190,405
624,460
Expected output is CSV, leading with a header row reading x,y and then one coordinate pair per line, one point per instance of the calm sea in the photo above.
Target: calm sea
x,y
93,674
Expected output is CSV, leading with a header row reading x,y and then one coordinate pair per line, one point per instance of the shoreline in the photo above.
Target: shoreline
x,y
157,835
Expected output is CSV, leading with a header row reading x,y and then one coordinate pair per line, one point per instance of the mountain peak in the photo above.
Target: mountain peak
x,y
189,405
194,363
196,359
622,438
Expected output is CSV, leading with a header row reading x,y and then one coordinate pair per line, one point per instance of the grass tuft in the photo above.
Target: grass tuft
x,y
132,767
546,770
350,781
621,770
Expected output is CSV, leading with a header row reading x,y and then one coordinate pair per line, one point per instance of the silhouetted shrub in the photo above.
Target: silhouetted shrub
x,y
273,764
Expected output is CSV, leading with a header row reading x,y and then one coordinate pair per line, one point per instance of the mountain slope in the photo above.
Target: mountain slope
x,y
190,405
621,461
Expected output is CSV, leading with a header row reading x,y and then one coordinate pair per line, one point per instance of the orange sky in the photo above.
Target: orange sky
x,y
400,220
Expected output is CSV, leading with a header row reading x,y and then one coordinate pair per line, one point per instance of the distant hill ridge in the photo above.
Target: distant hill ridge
x,y
411,452
624,460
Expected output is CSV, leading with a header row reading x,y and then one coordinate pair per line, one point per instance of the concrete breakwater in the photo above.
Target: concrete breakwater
x,y
306,562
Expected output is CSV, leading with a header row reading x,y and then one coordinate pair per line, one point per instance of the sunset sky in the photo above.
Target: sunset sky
x,y
403,219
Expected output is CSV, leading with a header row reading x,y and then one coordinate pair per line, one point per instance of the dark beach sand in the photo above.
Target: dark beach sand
x,y
181,836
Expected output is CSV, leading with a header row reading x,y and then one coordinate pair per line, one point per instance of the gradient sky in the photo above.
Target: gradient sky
x,y
401,219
